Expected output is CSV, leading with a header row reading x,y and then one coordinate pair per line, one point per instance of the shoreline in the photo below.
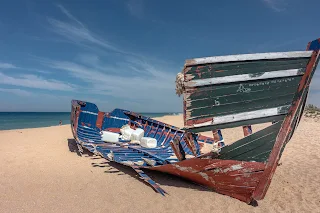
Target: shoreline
x,y
65,121
45,127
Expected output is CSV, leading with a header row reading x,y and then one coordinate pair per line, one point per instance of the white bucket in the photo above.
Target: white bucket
x,y
137,134
126,132
148,142
110,137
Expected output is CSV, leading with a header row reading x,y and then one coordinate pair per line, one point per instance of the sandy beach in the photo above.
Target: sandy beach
x,y
42,172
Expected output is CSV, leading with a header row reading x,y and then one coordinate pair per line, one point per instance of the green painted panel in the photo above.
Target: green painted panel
x,y
236,98
258,153
253,147
214,91
262,157
251,67
244,106
236,124
250,138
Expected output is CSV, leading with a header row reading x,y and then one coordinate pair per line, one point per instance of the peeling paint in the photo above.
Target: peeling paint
x,y
236,167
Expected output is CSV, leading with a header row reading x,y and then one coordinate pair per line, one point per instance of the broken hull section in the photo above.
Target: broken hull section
x,y
224,173
219,92
236,179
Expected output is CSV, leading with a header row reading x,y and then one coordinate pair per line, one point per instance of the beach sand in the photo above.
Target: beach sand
x,y
40,171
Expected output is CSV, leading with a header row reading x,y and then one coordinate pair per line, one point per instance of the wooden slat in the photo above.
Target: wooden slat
x,y
240,106
248,57
235,124
235,98
243,77
252,145
215,91
239,116
239,68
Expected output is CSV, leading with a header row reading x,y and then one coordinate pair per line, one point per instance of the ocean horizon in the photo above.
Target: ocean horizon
x,y
24,120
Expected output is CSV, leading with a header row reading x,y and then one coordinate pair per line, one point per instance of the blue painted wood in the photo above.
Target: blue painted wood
x,y
147,179
314,45
164,133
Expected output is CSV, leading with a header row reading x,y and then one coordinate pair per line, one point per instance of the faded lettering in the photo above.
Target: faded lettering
x,y
243,89
276,81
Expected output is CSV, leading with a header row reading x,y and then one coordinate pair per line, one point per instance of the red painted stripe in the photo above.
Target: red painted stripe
x,y
99,119
198,121
246,130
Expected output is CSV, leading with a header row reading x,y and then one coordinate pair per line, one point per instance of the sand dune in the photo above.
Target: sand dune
x,y
40,171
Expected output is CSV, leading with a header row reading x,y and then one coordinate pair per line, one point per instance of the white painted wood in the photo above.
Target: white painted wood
x,y
93,113
248,57
87,112
124,119
242,77
243,116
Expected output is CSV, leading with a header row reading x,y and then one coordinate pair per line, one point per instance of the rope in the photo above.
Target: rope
x,y
179,83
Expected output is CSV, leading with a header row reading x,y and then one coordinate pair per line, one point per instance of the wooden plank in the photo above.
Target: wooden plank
x,y
247,130
100,118
242,107
248,57
243,116
177,149
285,130
250,142
238,68
234,102
235,124
239,107
243,77
216,91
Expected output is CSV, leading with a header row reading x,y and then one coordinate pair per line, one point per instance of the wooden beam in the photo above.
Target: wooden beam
x,y
241,116
247,130
243,77
248,57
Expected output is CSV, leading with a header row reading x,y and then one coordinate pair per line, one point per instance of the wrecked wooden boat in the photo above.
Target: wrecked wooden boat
x,y
218,93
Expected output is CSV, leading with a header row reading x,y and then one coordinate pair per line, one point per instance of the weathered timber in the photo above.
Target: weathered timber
x,y
254,114
244,77
249,57
252,145
235,124
239,92
241,106
245,67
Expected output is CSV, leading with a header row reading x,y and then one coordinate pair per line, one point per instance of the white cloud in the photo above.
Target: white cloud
x,y
76,32
128,75
125,85
276,5
153,89
66,12
7,66
18,92
33,81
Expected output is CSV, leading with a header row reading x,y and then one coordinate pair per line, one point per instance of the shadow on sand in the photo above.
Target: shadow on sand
x,y
73,148
119,169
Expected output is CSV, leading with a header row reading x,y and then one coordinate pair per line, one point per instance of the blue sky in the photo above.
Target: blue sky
x,y
126,53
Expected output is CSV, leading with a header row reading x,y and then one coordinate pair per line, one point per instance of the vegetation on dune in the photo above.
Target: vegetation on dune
x,y
312,111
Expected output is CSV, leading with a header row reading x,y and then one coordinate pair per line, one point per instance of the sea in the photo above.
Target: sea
x,y
22,120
